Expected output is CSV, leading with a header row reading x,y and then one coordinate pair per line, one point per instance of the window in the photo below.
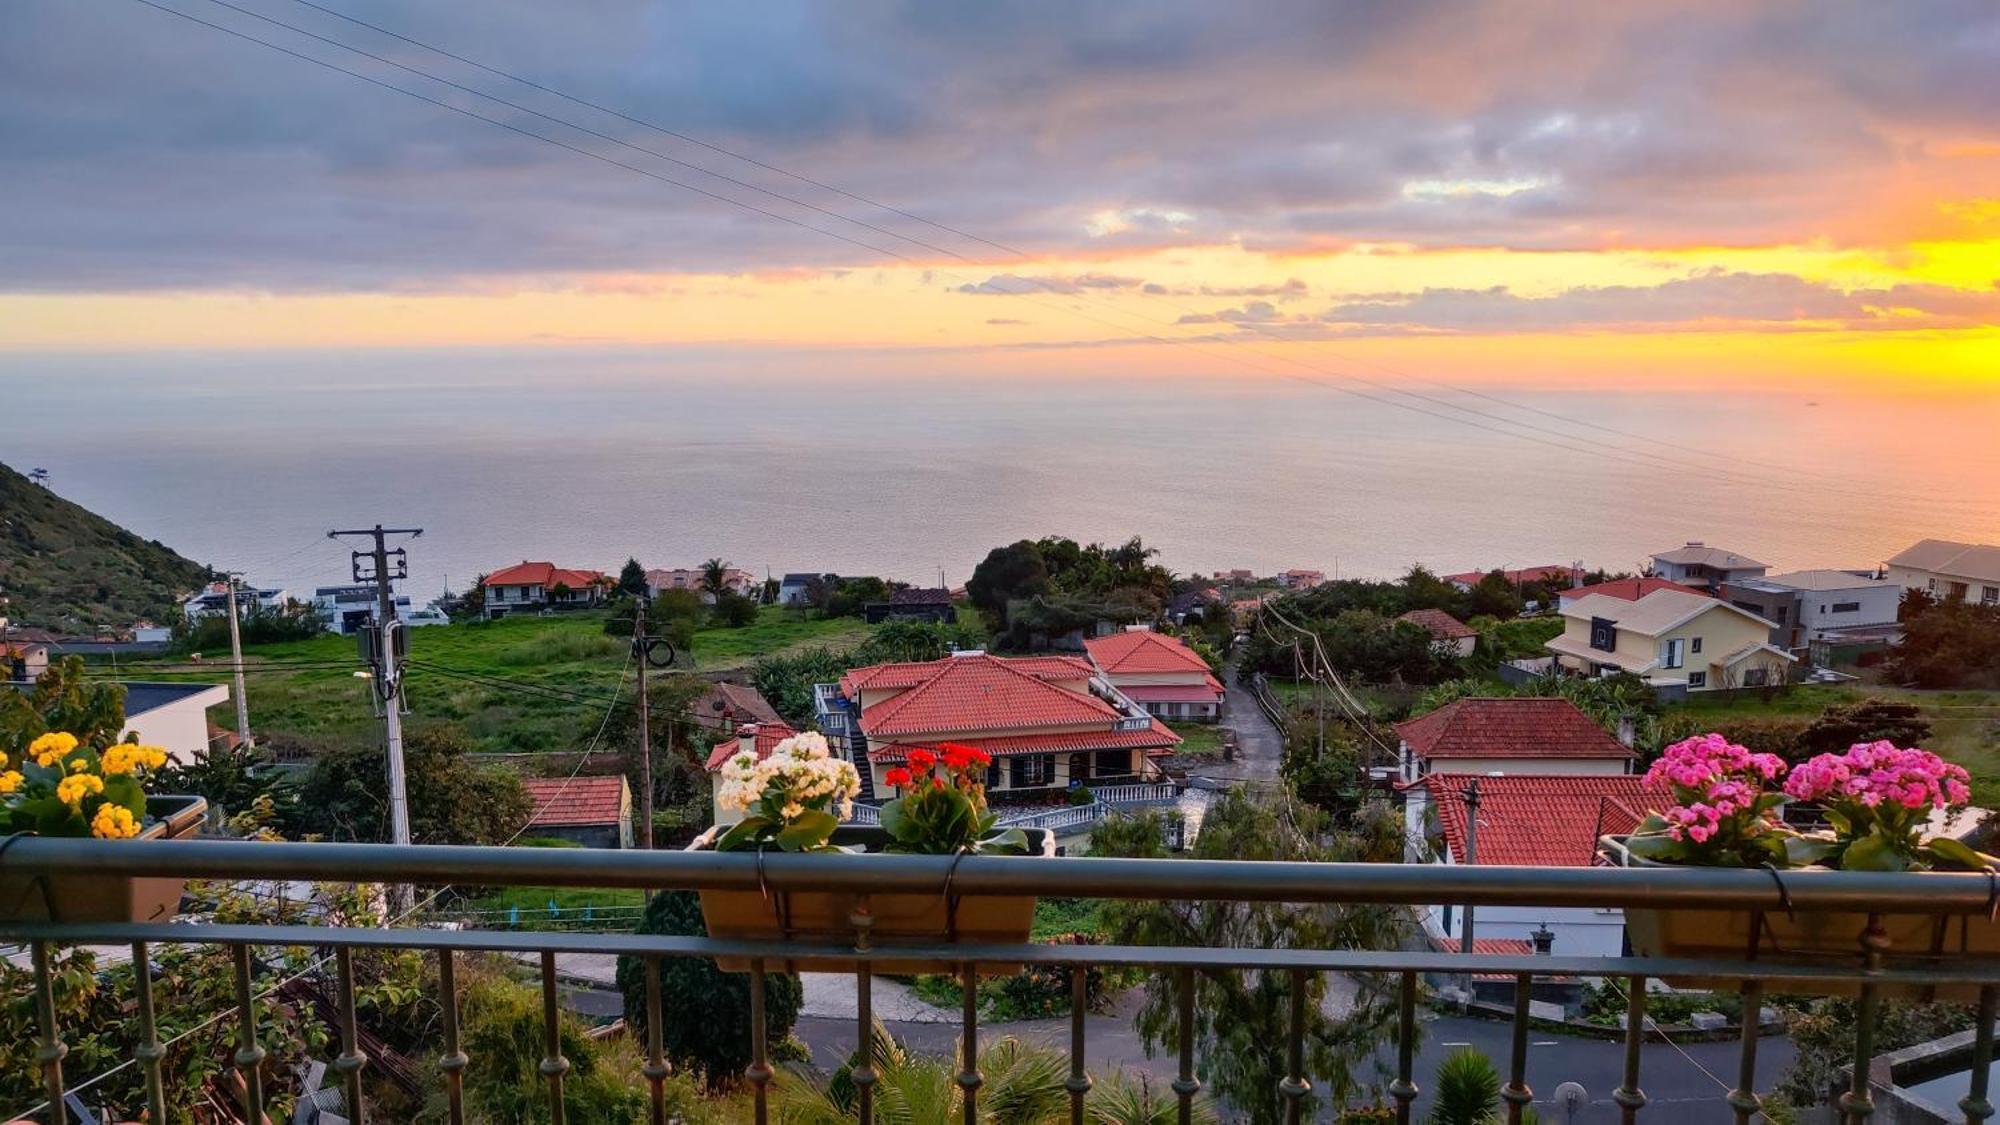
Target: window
x,y
1697,679
1603,634
993,774
1030,770
1955,591
1847,607
1930,584
1989,595
1114,763
1673,654
1756,677
1694,646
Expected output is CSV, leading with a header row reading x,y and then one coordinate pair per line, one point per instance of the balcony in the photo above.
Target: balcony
x,y
1875,971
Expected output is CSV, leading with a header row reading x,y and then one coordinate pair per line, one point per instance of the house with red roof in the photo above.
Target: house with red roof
x,y
1624,589
1525,820
593,811
1509,735
1554,574
1047,721
757,738
1158,672
1445,630
531,587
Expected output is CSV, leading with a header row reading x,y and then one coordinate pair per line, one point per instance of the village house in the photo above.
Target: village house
x,y
913,603
1947,570
1048,721
1158,672
173,717
1804,606
796,588
347,609
756,738
734,579
1704,567
212,600
1624,589
1525,821
531,587
1302,579
1511,735
593,811
1446,631
728,706
1553,574
23,662
1677,642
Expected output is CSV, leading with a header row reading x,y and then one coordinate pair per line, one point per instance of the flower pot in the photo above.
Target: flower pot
x,y
1804,938
827,917
84,898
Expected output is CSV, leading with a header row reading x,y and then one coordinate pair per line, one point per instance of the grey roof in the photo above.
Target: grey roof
x,y
1701,554
1959,560
142,696
1823,580
798,579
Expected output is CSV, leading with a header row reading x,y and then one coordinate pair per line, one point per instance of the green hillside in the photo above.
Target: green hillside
x,y
66,568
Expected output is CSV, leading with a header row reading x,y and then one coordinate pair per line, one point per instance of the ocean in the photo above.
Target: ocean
x,y
246,462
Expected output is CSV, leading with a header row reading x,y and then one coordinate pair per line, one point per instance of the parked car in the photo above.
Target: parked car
x,y
425,616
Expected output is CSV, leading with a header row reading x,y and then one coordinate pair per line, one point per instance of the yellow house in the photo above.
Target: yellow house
x,y
1671,639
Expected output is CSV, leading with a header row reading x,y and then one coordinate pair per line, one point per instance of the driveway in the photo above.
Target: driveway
x,y
1259,745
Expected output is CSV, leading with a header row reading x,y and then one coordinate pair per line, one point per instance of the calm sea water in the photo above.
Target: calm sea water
x,y
246,463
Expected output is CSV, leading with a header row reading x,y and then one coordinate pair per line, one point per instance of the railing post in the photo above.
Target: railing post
x,y
1516,1093
1404,1088
969,1079
1185,1083
350,1060
1743,1099
655,1069
554,1065
52,1049
249,1052
1078,1083
452,1063
1630,1098
149,1052
1295,1087
1857,1105
1975,1105
864,1026
759,1072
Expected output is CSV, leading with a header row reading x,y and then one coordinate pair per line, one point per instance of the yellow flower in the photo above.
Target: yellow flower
x,y
3,759
78,765
114,822
10,781
72,790
50,748
152,757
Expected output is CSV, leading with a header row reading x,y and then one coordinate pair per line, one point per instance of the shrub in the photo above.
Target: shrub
x,y
503,1037
1080,795
1468,1089
705,1012
735,611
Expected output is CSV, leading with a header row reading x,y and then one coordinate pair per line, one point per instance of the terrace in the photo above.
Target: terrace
x,y
1876,970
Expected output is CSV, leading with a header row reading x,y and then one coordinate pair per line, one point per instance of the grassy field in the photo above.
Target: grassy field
x,y
454,668
1198,740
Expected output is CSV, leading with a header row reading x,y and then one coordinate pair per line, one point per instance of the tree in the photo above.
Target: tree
x,y
632,578
704,1012
909,641
1948,644
1329,777
1870,720
453,799
715,578
232,779
62,699
735,611
1494,596
1005,574
1242,1018
1424,590
786,680
470,605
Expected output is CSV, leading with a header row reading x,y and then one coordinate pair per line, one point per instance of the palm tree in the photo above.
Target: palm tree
x,y
1023,1085
715,578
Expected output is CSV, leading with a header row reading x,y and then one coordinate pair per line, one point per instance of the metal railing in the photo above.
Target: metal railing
x,y
1875,969
1137,794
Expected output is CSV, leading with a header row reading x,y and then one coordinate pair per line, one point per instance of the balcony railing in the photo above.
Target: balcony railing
x,y
1874,970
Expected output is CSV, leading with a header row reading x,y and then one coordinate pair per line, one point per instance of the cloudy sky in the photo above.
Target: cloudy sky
x,y
1787,189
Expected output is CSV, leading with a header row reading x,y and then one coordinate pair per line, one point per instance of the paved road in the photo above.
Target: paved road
x,y
1677,1085
1260,745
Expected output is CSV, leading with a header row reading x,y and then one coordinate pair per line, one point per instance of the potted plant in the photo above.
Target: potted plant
x,y
57,784
795,799
1878,800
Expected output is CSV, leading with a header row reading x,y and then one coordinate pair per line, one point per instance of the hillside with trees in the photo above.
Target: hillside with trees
x,y
66,568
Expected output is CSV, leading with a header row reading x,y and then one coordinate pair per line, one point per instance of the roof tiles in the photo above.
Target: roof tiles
x,y
1525,727
573,801
1531,821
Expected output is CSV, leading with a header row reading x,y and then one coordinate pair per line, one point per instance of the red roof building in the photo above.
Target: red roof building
x,y
1160,673
1510,734
1047,721
1626,589
1538,821
758,737
727,706
593,811
1444,629
1555,575
535,586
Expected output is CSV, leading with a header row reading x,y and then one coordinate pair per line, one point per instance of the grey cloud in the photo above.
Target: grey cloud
x,y
1253,312
1015,285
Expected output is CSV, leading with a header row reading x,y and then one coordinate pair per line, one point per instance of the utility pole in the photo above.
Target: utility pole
x,y
388,672
1471,795
236,661
640,645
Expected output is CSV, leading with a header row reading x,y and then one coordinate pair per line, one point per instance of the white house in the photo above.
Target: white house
x,y
531,587
1945,569
348,609
173,717
1158,672
1446,631
212,600
1804,606
796,588
1700,565
1524,821
734,579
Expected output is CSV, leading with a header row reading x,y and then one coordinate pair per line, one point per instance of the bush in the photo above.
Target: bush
x,y
735,611
705,1012
454,799
502,1022
1080,795
1468,1089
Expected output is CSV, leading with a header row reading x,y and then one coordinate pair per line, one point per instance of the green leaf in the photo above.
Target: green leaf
x,y
1011,842
1872,852
744,832
808,830
1651,826
1957,854
1658,847
1804,851
1839,820
124,789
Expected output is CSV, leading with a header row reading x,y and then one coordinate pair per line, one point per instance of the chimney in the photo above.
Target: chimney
x,y
1544,939
1627,731
746,738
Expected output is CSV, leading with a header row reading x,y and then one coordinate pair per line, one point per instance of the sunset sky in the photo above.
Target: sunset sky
x,y
1507,191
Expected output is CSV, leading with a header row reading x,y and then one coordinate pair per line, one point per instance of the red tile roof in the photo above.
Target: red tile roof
x,y
973,693
768,737
1140,651
1525,574
1628,589
889,677
572,801
1441,625
545,575
1156,739
1540,821
1207,692
740,703
1513,727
